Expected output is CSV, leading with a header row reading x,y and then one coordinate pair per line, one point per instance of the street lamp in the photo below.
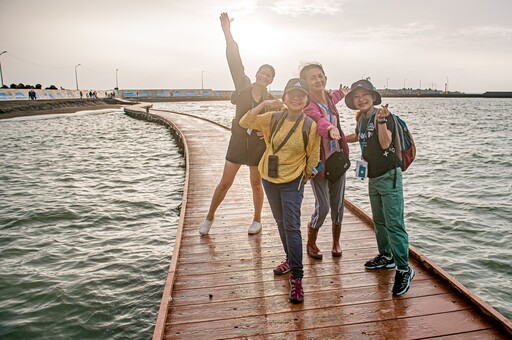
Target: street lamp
x,y
404,82
387,82
76,76
117,82
1,76
202,86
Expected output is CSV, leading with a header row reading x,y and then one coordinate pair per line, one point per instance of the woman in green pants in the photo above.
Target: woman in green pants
x,y
374,131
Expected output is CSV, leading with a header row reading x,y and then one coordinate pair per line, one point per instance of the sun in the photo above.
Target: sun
x,y
255,37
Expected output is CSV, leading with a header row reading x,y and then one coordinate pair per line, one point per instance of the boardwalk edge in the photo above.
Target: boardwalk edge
x,y
144,114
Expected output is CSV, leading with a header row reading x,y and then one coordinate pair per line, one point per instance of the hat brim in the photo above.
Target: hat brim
x,y
295,88
349,100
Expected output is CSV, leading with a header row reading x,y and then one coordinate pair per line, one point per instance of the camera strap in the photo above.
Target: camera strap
x,y
292,130
362,141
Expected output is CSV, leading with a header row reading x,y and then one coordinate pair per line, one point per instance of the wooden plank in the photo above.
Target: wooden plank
x,y
293,318
278,286
247,259
274,299
222,285
451,325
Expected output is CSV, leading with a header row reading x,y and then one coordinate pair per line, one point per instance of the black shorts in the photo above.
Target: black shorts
x,y
245,149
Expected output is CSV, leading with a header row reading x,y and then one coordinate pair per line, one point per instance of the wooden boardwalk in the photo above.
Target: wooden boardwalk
x,y
222,286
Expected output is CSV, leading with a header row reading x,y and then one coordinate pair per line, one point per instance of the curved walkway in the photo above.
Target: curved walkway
x,y
222,285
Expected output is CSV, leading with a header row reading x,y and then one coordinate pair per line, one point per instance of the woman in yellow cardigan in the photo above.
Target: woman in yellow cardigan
x,y
293,151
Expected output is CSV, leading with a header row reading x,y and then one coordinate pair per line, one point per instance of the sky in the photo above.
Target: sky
x,y
157,44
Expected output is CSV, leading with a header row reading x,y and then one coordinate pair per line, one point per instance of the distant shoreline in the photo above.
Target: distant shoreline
x,y
19,108
422,94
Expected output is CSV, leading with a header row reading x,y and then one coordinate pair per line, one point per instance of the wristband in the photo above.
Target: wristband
x,y
383,121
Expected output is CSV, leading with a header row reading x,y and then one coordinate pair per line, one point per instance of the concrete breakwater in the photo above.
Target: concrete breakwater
x,y
15,108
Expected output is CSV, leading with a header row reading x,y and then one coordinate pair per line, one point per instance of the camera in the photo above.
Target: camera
x,y
272,166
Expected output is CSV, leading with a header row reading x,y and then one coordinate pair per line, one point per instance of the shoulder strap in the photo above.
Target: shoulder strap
x,y
397,138
291,132
276,117
306,128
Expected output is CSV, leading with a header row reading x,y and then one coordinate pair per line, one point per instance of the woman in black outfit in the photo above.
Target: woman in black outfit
x,y
245,146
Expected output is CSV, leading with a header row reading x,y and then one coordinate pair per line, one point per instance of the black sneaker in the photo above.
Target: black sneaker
x,y
402,281
380,262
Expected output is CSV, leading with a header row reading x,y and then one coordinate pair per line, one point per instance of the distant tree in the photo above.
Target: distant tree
x,y
39,86
51,87
13,86
20,86
5,86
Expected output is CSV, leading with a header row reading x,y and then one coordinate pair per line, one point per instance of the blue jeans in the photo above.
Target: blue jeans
x,y
285,201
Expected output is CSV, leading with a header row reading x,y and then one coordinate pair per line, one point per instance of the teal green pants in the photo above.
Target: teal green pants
x,y
387,203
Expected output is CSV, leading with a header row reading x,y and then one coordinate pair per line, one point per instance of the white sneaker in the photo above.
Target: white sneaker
x,y
254,228
204,227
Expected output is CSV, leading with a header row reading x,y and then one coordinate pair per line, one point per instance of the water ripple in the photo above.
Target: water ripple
x,y
87,231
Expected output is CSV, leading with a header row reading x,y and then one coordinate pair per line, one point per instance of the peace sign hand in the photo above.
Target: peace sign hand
x,y
383,112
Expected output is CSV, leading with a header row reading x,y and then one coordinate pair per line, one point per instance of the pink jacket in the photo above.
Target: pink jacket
x,y
316,112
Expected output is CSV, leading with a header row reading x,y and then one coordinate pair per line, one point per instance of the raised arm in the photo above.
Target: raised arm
x,y
236,66
323,124
385,136
256,118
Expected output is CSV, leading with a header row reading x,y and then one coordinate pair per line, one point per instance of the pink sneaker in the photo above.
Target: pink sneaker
x,y
283,268
296,290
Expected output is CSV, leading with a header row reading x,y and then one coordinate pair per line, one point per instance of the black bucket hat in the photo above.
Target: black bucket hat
x,y
365,84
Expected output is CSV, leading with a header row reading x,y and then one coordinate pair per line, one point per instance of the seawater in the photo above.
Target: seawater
x,y
88,214
458,191
90,206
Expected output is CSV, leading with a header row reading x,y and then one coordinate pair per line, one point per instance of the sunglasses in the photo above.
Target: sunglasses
x,y
298,95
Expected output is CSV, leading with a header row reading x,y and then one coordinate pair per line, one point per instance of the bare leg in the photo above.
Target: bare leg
x,y
257,192
228,176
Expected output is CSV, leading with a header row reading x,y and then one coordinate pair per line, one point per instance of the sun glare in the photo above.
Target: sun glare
x,y
255,37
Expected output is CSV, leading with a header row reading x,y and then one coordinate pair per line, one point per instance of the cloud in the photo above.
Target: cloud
x,y
298,8
498,32
386,32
